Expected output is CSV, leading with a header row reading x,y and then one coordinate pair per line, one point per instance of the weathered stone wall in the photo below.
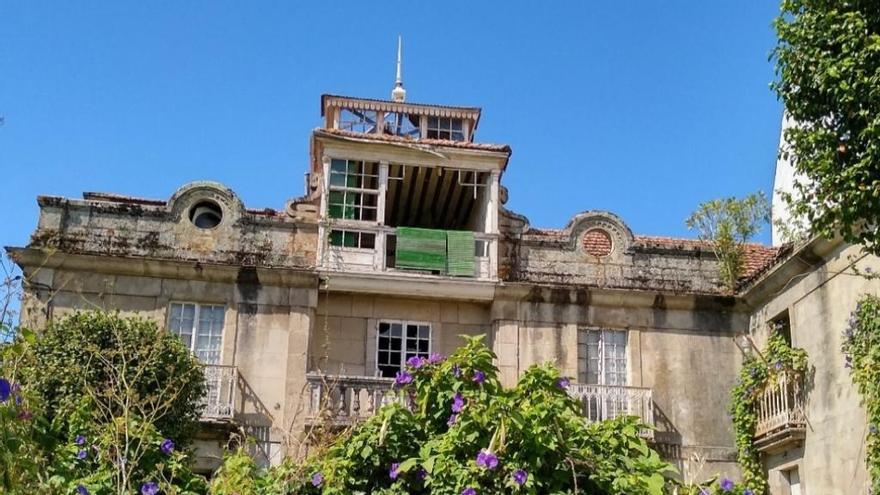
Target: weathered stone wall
x,y
819,289
117,226
681,347
344,336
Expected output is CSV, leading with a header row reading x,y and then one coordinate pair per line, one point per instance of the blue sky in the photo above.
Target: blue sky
x,y
644,109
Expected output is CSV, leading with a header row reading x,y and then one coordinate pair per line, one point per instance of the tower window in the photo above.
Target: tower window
x,y
354,120
445,128
402,124
353,191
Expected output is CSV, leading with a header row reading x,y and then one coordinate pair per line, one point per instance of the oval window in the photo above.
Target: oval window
x,y
205,215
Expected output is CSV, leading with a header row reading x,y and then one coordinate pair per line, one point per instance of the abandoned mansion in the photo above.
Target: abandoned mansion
x,y
401,243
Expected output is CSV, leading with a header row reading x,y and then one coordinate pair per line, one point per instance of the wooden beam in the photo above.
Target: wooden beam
x,y
444,197
392,193
426,215
418,196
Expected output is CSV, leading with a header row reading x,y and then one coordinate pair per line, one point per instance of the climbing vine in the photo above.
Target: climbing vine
x,y
861,347
759,371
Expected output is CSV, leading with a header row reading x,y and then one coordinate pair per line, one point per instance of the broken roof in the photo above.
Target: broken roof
x,y
500,148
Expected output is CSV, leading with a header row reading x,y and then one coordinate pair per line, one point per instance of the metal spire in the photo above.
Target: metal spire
x,y
398,93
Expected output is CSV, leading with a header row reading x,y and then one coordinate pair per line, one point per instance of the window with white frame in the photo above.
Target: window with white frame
x,y
354,190
445,128
602,357
199,327
352,239
403,124
399,341
355,120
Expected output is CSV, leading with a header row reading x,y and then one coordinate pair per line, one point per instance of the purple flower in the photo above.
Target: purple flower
x,y
402,378
703,491
457,403
167,446
563,382
149,488
392,473
423,474
456,371
872,429
81,454
869,270
416,362
435,358
778,365
451,420
80,440
520,477
479,376
81,490
5,389
486,459
726,484
468,491
748,492
317,479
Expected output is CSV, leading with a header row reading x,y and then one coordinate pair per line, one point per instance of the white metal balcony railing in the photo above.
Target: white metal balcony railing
x,y
349,399
381,257
602,402
220,394
781,407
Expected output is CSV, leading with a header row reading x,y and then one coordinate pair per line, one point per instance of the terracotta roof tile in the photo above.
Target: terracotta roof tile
x,y
400,139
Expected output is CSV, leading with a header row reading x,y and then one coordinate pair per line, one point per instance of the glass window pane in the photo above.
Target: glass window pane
x,y
395,344
396,330
423,347
412,331
394,359
412,345
384,328
384,343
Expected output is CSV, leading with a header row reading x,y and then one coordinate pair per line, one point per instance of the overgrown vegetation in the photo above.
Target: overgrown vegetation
x,y
828,68
861,348
98,403
728,224
759,371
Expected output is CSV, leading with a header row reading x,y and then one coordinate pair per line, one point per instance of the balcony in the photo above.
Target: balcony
x,y
603,402
219,403
374,249
347,400
781,419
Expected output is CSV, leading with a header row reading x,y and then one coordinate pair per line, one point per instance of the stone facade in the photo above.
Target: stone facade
x,y
301,304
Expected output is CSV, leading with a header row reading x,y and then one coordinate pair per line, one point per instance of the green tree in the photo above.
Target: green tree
x,y
828,68
113,402
728,224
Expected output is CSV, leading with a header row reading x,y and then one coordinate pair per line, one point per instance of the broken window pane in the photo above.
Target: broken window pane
x,y
402,124
351,119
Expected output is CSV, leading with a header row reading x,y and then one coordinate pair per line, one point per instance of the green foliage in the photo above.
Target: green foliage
x,y
756,374
828,65
102,403
535,427
861,346
114,361
728,224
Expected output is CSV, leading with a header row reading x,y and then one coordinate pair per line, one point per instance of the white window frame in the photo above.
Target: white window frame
x,y
358,123
196,313
444,126
359,234
602,374
406,128
403,324
361,206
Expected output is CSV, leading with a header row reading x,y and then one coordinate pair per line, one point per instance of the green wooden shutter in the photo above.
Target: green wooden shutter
x,y
421,249
460,253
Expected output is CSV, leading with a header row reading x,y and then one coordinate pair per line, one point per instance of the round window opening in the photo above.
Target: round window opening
x,y
597,242
205,215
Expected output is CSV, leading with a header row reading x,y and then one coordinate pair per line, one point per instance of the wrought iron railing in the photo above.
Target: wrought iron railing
x,y
220,394
781,406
